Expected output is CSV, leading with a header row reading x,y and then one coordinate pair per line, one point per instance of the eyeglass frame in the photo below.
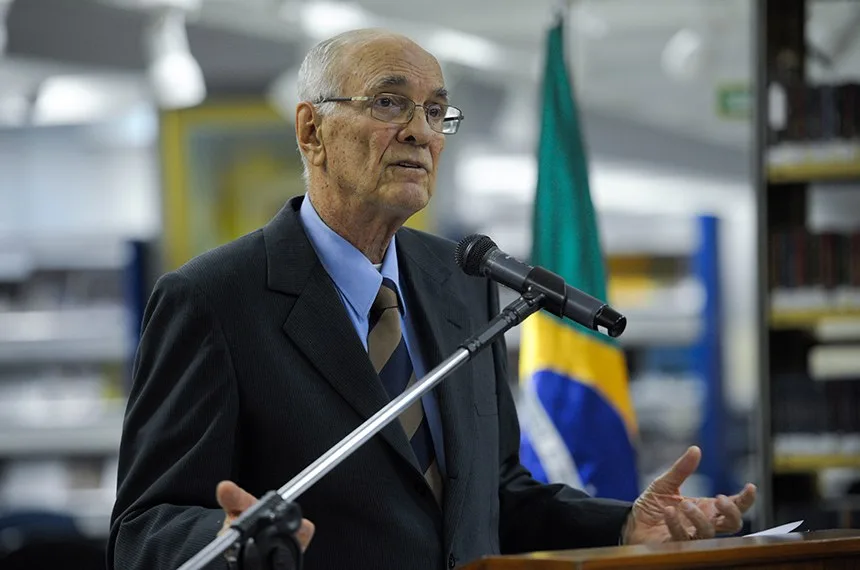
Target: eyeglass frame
x,y
366,98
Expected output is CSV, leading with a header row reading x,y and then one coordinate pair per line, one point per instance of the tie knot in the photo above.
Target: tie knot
x,y
386,298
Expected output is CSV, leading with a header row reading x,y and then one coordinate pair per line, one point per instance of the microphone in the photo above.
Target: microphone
x,y
478,255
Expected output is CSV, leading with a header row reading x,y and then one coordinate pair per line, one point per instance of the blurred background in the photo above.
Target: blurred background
x,y
723,142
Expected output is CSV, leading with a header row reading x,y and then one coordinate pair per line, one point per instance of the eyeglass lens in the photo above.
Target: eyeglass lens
x,y
398,109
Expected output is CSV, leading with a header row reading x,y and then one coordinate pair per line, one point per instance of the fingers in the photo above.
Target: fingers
x,y
745,499
704,526
732,517
685,466
673,523
233,499
677,518
305,533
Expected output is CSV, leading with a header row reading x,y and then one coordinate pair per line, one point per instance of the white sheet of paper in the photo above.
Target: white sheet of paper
x,y
781,529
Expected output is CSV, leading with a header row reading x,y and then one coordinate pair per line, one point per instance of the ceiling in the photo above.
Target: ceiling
x,y
658,63
615,47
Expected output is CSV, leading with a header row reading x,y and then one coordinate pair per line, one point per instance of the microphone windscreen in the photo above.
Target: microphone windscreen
x,y
471,252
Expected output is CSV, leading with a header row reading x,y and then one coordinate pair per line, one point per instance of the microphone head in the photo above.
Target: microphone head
x,y
611,320
471,252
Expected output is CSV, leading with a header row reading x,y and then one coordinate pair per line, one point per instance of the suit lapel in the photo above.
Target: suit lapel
x,y
334,349
443,323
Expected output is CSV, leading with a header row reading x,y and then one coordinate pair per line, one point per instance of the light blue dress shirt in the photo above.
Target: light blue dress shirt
x,y
357,281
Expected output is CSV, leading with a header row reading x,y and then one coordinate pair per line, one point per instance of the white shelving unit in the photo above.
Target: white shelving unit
x,y
66,341
99,437
65,335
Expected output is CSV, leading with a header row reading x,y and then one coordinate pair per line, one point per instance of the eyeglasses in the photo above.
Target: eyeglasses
x,y
391,108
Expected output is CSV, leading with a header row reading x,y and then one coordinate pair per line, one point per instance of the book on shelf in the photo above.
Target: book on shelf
x,y
814,132
815,418
835,361
814,270
822,112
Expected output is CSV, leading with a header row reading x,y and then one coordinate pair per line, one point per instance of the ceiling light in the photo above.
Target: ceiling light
x,y
322,20
494,175
69,99
465,49
617,186
683,55
175,75
79,99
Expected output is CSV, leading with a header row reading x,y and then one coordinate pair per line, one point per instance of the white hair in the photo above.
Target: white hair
x,y
322,72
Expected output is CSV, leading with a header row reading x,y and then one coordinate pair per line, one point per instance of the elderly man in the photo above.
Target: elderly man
x,y
258,356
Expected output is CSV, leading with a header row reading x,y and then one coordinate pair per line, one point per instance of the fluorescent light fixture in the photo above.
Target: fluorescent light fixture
x,y
465,49
617,186
683,56
636,188
79,99
175,75
321,20
70,100
508,175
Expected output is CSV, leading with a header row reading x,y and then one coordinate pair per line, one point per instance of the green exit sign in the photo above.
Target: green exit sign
x,y
734,101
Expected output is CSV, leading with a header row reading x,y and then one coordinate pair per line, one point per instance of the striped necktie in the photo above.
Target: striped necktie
x,y
390,357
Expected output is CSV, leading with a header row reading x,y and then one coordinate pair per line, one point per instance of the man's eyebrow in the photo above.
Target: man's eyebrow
x,y
390,81
400,81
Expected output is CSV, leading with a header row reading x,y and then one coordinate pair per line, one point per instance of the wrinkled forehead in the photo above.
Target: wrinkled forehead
x,y
393,64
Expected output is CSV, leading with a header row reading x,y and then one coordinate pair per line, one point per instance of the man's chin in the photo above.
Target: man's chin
x,y
409,198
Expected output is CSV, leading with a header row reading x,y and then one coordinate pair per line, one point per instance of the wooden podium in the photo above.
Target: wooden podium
x,y
801,550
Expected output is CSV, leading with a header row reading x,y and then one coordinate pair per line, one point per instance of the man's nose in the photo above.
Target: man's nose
x,y
419,126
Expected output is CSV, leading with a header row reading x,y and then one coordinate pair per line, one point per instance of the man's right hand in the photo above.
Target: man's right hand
x,y
235,500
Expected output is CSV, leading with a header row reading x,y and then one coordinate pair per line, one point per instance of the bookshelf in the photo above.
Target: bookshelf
x,y
69,315
809,318
807,142
800,463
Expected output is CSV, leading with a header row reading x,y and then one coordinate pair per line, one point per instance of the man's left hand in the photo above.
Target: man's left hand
x,y
662,514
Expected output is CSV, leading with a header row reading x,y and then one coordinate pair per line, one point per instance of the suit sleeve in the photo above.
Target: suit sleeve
x,y
178,435
535,516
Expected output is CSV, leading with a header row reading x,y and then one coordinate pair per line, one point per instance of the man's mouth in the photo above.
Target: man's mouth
x,y
409,164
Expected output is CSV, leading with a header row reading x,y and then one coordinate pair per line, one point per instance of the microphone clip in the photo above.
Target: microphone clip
x,y
551,286
267,536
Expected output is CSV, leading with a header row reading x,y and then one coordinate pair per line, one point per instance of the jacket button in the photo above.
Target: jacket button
x,y
451,561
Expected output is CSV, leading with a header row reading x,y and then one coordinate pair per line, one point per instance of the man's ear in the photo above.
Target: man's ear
x,y
308,134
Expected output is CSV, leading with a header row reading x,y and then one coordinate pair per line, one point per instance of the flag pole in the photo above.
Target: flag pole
x,y
562,7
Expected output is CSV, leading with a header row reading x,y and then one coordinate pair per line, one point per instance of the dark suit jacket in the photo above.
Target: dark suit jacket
x,y
249,369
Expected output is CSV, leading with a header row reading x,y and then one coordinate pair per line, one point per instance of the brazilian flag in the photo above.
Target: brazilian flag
x,y
578,422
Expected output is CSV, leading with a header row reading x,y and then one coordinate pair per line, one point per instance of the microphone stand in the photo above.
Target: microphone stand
x,y
262,538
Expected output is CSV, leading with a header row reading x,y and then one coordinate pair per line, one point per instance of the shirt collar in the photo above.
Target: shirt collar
x,y
353,274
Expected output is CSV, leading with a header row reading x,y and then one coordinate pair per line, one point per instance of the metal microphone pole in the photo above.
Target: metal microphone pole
x,y
270,523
